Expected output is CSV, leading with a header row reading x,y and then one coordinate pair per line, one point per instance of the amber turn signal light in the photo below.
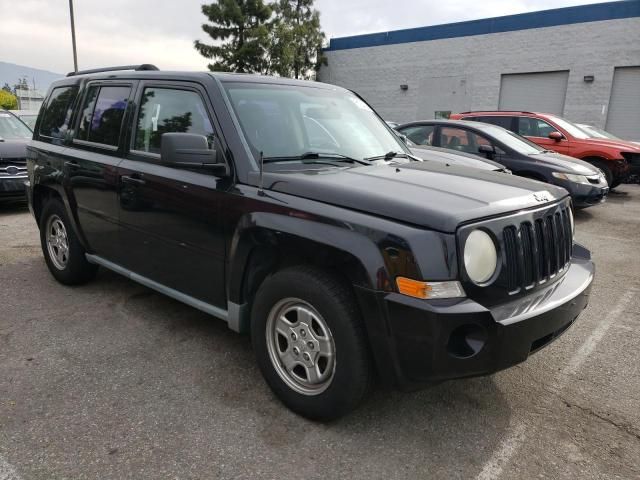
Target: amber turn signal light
x,y
413,288
431,290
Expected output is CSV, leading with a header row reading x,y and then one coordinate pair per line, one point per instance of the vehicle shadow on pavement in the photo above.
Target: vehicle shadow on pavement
x,y
115,367
13,207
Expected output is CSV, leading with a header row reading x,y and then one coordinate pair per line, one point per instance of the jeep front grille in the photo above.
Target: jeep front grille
x,y
536,251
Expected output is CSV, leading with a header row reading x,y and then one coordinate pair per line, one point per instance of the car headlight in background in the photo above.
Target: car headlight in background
x,y
571,177
480,256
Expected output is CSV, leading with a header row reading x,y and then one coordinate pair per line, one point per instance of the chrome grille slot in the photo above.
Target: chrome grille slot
x,y
536,251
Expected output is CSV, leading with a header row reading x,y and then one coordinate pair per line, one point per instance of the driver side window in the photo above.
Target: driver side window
x,y
534,127
164,110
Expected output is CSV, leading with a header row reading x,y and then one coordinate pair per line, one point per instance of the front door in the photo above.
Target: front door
x,y
171,229
538,132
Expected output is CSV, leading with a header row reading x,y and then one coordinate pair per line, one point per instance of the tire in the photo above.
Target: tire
x,y
606,171
308,297
63,253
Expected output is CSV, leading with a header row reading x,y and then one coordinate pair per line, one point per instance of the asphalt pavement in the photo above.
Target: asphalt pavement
x,y
114,381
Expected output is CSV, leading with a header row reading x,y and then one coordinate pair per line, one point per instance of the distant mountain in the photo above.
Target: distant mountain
x,y
11,73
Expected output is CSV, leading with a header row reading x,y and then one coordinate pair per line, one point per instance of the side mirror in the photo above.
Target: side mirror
x,y
557,136
488,150
188,150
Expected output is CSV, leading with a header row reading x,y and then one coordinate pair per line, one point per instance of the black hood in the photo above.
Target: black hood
x,y
564,163
461,159
428,194
13,149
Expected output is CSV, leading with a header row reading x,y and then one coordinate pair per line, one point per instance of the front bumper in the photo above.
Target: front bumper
x,y
585,195
12,187
430,341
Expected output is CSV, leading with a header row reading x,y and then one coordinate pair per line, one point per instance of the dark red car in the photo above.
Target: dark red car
x,y
615,158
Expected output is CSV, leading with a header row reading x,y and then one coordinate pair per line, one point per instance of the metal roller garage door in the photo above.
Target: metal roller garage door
x,y
623,119
537,92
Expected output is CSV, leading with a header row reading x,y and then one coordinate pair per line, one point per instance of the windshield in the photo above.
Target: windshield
x,y
595,132
287,122
11,128
512,140
569,127
30,120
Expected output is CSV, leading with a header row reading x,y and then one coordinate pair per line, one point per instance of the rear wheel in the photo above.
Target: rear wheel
x,y
310,343
62,251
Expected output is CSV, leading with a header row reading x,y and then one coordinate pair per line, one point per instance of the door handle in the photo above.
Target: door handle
x,y
135,179
71,164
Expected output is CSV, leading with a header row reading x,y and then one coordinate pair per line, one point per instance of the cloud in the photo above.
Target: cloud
x,y
36,33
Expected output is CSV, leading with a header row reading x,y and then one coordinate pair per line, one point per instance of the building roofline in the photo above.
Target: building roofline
x,y
523,21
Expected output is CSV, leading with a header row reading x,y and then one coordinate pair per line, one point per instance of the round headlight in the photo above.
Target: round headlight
x,y
480,256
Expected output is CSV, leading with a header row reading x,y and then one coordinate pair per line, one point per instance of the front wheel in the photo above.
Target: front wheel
x,y
606,171
310,343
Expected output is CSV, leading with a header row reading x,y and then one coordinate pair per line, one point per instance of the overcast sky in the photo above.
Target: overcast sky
x,y
36,33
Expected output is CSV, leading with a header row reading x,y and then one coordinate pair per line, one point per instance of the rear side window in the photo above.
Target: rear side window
x,y
501,121
56,114
164,110
420,135
102,114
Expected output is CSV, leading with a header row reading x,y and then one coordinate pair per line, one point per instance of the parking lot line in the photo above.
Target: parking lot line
x,y
494,467
7,472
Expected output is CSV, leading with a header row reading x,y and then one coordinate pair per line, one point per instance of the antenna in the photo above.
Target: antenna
x,y
260,189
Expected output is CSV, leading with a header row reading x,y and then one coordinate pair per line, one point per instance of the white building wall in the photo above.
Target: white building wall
x,y
593,48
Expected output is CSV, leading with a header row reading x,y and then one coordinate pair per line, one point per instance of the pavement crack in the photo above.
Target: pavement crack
x,y
628,429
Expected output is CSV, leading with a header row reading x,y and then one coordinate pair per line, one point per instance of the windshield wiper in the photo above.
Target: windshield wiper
x,y
390,155
318,155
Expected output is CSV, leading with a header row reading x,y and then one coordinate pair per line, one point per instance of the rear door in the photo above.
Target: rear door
x,y
170,218
538,131
90,163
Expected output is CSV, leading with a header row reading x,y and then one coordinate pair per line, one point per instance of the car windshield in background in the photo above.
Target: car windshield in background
x,y
595,132
512,140
288,122
572,128
30,120
12,128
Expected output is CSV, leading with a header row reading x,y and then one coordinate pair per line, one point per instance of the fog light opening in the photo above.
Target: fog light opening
x,y
466,341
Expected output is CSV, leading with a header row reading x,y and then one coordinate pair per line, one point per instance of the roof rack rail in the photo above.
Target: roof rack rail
x,y
142,67
496,111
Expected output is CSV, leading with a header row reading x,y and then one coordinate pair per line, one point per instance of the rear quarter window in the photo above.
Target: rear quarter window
x,y
501,121
57,113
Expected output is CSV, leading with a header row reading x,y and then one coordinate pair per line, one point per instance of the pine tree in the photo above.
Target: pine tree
x,y
242,27
296,43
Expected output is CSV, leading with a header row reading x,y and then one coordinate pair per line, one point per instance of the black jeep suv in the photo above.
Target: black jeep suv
x,y
290,210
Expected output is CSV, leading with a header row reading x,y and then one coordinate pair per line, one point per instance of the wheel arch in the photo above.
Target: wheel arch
x,y
264,243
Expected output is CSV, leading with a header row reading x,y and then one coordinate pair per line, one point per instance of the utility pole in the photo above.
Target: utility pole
x,y
73,37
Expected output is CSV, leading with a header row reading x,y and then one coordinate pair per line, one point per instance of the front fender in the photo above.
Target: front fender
x,y
349,241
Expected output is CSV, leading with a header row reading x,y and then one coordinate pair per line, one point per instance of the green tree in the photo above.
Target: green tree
x,y
241,34
7,88
8,100
296,39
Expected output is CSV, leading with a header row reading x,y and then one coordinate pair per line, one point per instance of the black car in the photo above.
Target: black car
x,y
460,159
585,183
14,136
290,210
